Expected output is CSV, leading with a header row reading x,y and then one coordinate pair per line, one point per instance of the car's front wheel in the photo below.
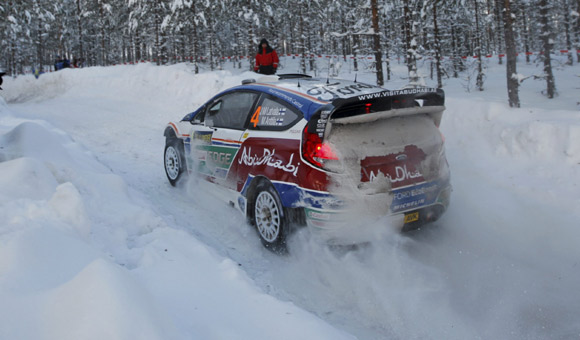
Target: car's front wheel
x,y
270,218
174,160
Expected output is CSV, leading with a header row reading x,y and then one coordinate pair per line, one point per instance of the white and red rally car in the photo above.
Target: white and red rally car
x,y
332,154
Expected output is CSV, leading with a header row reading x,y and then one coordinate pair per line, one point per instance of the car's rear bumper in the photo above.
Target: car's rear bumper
x,y
368,219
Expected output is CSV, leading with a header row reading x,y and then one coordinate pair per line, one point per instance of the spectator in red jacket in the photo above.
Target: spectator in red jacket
x,y
266,59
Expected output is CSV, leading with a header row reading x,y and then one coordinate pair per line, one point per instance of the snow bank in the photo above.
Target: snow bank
x,y
536,151
82,256
177,84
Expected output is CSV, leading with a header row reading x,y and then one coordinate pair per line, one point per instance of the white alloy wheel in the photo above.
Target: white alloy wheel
x,y
267,216
172,163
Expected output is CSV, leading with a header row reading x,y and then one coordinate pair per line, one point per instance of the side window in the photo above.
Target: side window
x,y
231,110
272,114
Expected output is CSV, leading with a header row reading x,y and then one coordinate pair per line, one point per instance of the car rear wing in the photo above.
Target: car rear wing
x,y
380,105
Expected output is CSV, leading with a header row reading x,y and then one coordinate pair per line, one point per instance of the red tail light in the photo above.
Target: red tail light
x,y
314,150
368,107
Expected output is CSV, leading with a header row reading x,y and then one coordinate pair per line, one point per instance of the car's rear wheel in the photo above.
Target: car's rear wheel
x,y
174,160
270,218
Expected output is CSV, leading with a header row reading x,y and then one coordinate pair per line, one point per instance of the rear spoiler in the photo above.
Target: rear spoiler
x,y
380,105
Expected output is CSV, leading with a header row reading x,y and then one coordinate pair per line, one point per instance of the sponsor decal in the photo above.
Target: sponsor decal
x,y
321,123
215,160
401,174
272,116
273,111
268,159
415,196
203,136
286,97
400,169
384,94
332,91
414,192
220,159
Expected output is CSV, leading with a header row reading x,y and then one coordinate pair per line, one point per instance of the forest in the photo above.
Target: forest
x,y
35,33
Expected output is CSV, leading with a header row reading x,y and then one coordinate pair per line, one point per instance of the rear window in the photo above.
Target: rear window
x,y
272,114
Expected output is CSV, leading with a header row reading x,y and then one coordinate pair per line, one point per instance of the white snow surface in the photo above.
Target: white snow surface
x,y
95,243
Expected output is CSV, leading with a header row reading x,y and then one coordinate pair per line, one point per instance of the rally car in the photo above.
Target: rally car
x,y
335,155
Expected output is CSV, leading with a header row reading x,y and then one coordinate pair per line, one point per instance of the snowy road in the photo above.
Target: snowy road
x,y
503,262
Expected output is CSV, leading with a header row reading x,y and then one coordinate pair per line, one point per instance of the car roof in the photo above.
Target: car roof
x,y
309,94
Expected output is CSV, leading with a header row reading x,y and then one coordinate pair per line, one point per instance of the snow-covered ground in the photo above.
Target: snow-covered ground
x,y
95,243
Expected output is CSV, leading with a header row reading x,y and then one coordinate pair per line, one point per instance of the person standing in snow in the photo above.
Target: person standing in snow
x,y
266,59
1,74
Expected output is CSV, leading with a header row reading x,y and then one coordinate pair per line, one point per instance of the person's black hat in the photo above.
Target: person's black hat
x,y
264,41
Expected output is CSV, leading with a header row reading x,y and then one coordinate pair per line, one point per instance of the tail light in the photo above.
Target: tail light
x,y
315,151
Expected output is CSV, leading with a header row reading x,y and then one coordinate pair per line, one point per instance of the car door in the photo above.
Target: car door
x,y
216,141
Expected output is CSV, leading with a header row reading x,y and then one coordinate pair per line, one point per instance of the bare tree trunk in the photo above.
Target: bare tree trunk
x,y
500,46
237,50
252,55
545,31
157,52
526,29
80,33
455,52
478,49
251,47
102,33
568,35
195,39
410,44
128,43
577,32
137,42
387,53
211,53
437,45
344,40
310,51
377,43
355,51
510,43
39,47
491,40
12,70
302,42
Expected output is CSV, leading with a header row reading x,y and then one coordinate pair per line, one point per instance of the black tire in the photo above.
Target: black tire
x,y
174,160
270,218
